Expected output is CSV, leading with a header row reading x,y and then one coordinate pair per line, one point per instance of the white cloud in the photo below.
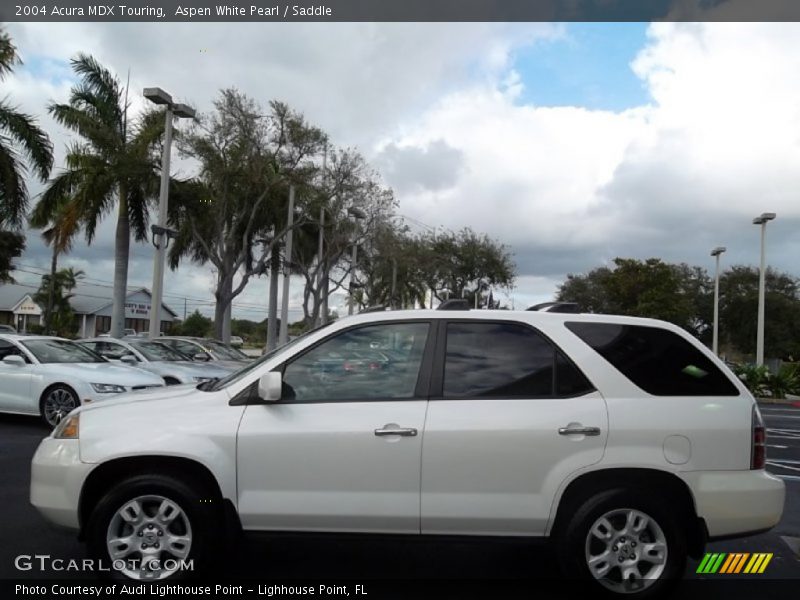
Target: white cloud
x,y
439,108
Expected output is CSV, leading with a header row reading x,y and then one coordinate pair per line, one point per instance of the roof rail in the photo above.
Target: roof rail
x,y
371,309
556,307
454,304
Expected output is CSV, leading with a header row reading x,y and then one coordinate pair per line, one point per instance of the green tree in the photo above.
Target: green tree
x,y
62,318
247,160
197,325
465,264
114,163
644,288
739,305
24,146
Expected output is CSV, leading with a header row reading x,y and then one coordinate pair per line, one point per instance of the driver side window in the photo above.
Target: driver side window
x,y
375,362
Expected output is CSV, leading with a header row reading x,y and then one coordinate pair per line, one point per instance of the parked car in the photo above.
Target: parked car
x,y
129,332
205,350
8,329
236,341
169,364
50,376
623,441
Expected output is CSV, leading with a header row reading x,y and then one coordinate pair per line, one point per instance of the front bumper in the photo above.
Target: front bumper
x,y
737,503
57,476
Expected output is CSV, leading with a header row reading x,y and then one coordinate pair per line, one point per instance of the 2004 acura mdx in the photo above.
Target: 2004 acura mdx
x,y
623,440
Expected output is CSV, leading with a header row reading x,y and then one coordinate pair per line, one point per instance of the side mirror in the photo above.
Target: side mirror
x,y
202,356
129,359
13,359
269,386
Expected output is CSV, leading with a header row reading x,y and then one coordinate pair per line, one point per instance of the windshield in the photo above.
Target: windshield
x,y
61,351
224,352
237,375
158,352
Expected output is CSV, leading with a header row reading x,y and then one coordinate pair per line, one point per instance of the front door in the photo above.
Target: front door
x,y
15,391
341,451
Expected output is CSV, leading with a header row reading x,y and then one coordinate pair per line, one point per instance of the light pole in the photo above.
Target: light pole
x,y
160,231
287,272
761,220
357,215
716,252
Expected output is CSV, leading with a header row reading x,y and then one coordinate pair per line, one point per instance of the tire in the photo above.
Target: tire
x,y
189,533
636,533
56,403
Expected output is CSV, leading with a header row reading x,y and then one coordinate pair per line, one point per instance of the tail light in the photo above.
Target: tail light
x,y
758,455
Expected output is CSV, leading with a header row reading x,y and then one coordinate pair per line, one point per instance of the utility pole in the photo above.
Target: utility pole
x,y
287,271
184,309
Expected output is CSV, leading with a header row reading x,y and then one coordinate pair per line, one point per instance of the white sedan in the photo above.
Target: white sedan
x,y
50,376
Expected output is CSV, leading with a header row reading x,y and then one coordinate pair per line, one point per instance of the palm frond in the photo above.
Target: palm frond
x,y
13,192
23,129
8,54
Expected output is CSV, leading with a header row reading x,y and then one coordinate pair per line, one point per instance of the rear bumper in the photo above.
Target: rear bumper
x,y
736,503
57,476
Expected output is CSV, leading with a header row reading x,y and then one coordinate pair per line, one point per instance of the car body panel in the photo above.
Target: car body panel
x,y
317,466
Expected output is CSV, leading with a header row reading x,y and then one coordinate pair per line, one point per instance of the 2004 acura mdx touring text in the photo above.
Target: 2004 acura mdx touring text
x,y
624,441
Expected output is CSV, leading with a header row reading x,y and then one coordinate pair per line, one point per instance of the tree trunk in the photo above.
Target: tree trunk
x,y
122,247
272,319
222,309
323,295
51,293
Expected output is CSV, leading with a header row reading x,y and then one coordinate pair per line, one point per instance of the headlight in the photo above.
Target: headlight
x,y
204,379
107,388
68,428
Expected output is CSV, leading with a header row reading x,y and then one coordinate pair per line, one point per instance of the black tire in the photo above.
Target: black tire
x,y
200,510
61,395
575,545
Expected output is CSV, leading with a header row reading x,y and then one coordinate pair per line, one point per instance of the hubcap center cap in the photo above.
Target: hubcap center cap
x,y
150,536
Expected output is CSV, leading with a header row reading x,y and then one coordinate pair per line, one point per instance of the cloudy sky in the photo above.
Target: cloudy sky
x,y
571,143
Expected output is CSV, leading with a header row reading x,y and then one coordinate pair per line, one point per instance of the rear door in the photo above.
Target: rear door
x,y
510,417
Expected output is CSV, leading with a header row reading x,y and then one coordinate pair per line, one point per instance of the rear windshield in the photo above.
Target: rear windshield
x,y
657,360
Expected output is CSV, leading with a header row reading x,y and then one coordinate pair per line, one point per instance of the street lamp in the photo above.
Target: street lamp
x,y
761,220
357,215
160,231
715,343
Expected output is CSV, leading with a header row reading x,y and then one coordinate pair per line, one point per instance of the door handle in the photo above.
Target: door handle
x,y
579,431
404,431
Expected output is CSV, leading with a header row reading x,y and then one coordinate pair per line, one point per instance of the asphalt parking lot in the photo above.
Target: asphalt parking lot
x,y
23,531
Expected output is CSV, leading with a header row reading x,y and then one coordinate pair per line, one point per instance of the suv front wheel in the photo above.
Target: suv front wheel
x,y
152,527
624,543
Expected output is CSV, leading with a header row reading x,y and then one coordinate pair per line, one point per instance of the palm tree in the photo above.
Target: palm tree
x,y
60,285
115,163
62,222
21,130
18,132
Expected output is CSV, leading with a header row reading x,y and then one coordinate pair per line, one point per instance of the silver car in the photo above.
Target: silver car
x,y
169,364
207,350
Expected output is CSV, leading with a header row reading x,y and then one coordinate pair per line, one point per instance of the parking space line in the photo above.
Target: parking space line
x,y
780,466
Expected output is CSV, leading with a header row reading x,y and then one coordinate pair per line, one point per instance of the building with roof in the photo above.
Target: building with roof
x,y
91,304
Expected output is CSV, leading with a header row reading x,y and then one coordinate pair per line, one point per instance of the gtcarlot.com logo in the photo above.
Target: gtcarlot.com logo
x,y
734,563
45,562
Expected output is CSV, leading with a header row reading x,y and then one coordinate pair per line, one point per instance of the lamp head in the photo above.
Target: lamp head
x,y
763,218
718,250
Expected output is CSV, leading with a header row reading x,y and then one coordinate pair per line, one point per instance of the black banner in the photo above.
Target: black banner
x,y
400,10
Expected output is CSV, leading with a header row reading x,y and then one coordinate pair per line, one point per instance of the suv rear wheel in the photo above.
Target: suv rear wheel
x,y
148,526
625,543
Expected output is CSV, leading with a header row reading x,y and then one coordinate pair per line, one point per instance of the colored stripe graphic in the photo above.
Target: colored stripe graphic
x,y
729,563
734,562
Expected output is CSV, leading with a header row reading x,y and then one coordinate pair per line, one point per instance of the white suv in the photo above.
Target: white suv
x,y
623,440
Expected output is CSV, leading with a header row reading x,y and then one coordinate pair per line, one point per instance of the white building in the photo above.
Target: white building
x,y
91,304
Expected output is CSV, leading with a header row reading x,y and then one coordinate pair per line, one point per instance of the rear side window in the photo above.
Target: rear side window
x,y
506,360
657,360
